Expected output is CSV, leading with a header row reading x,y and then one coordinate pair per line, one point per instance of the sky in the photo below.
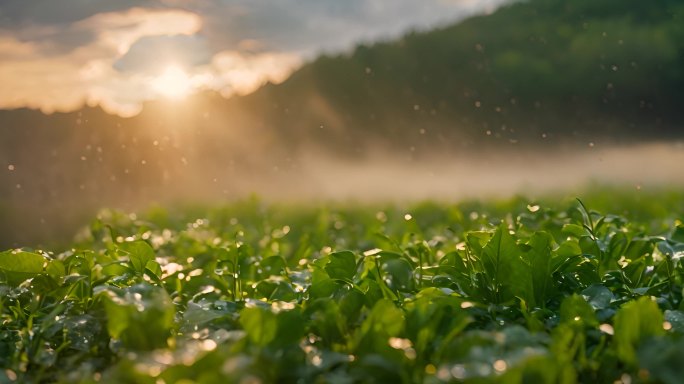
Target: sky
x,y
59,55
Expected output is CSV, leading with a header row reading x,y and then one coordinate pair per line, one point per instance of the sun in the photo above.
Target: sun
x,y
173,83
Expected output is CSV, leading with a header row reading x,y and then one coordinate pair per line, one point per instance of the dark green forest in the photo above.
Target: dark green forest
x,y
532,70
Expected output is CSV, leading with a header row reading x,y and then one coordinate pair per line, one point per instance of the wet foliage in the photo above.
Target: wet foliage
x,y
509,292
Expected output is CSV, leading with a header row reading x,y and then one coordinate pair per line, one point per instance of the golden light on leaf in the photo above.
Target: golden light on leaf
x,y
173,83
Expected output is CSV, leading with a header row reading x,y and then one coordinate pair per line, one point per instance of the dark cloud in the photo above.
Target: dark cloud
x,y
309,26
58,12
303,26
48,22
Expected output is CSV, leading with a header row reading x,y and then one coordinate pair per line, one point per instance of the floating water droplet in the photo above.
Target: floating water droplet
x,y
606,328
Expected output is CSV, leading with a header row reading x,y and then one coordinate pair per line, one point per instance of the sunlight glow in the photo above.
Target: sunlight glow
x,y
173,83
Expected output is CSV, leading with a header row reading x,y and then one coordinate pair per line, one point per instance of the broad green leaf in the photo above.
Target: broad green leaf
x,y
321,284
566,250
574,230
201,313
575,311
638,248
342,265
19,266
139,254
540,369
141,316
662,358
589,247
273,266
153,268
635,322
56,269
325,319
351,302
274,288
476,241
501,259
616,249
291,327
453,260
540,282
598,296
385,320
676,320
260,324
678,233
400,274
323,288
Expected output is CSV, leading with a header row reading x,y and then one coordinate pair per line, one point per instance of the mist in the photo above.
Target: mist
x,y
34,215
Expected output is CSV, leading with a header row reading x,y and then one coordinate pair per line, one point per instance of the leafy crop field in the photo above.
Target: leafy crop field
x,y
556,291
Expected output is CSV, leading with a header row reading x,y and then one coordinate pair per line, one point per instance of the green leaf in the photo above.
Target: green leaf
x,y
575,311
400,274
273,266
574,230
141,316
56,269
676,320
342,265
350,302
662,358
598,296
18,266
540,282
477,240
635,322
139,254
385,320
503,266
291,327
275,288
260,324
589,247
678,233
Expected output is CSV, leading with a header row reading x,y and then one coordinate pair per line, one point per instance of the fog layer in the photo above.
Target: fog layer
x,y
32,214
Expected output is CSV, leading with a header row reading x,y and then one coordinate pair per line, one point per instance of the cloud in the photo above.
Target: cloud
x,y
120,30
12,49
311,26
240,73
40,78
63,12
148,53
